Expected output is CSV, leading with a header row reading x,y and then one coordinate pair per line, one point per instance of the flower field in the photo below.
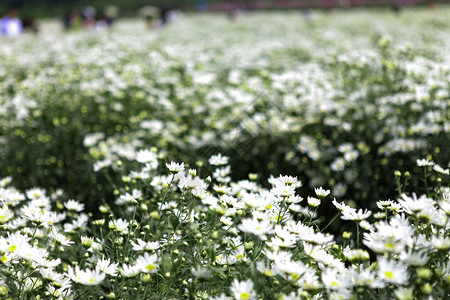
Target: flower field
x,y
273,157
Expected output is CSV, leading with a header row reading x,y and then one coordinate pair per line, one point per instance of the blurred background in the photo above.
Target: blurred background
x,y
55,8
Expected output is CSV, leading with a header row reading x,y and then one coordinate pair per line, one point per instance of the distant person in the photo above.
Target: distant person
x,y
111,13
30,25
307,14
397,8
10,25
72,20
201,5
151,15
89,13
234,12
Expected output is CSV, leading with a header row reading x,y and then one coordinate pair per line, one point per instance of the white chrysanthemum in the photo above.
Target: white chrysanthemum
x,y
86,277
392,272
119,225
424,163
256,227
130,271
74,205
148,263
102,164
321,192
413,205
243,290
441,170
60,238
146,156
218,160
335,281
175,167
145,246
105,266
354,215
440,243
314,202
5,214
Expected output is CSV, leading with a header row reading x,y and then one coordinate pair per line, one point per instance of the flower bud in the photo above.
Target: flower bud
x,y
3,290
424,273
427,289
146,278
155,215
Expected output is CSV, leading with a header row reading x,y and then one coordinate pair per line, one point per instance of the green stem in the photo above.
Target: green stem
x,y
329,223
357,235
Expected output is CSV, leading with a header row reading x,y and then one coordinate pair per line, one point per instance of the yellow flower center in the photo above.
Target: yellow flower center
x,y
245,296
12,248
389,245
150,268
334,284
389,275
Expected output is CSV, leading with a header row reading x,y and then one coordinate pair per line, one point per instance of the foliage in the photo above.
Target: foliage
x,y
334,104
176,235
314,118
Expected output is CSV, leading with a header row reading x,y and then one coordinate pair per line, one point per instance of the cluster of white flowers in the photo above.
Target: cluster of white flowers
x,y
336,116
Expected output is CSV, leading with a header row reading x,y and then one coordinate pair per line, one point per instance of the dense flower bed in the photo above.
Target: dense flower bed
x,y
332,181
177,235
335,104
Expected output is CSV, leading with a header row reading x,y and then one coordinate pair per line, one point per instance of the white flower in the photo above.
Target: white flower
x,y
243,290
412,205
74,205
148,263
147,246
218,160
340,206
105,266
62,239
440,243
146,156
266,269
102,164
130,271
404,293
86,277
321,192
174,167
441,170
392,272
424,163
256,227
313,202
285,180
354,215
119,225
415,259
5,214
284,190
87,241
334,280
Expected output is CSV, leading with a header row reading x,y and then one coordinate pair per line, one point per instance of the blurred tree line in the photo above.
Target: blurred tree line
x,y
56,8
